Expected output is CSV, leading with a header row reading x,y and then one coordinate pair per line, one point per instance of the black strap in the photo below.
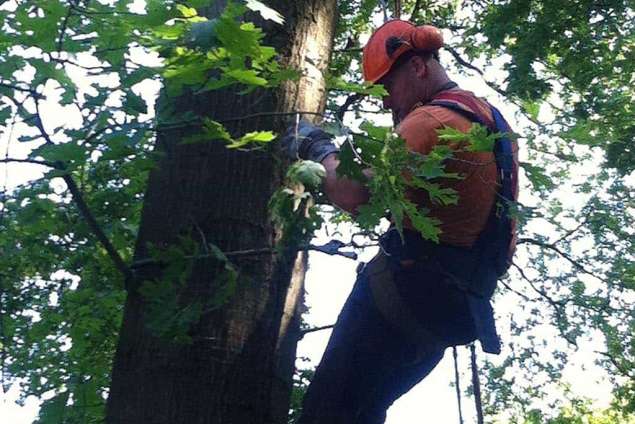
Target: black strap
x,y
498,231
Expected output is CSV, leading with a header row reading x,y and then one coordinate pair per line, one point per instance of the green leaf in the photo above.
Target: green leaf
x,y
134,104
246,76
258,137
373,90
186,12
265,11
63,152
211,131
52,410
5,114
307,172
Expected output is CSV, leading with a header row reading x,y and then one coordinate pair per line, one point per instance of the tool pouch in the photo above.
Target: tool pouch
x,y
379,273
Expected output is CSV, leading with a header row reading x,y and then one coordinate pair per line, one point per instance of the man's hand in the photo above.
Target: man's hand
x,y
307,142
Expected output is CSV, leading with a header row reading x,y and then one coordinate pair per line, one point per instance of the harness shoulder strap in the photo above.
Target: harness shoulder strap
x,y
500,228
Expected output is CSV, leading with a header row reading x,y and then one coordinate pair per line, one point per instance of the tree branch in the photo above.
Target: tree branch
x,y
94,226
397,14
29,90
572,261
314,329
350,100
78,198
415,11
60,39
624,371
33,161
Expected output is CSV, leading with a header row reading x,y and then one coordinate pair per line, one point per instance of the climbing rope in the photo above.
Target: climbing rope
x,y
458,383
477,386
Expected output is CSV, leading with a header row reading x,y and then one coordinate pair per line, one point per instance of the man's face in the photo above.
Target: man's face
x,y
403,87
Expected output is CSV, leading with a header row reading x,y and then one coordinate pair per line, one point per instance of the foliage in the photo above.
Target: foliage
x,y
74,84
293,206
568,69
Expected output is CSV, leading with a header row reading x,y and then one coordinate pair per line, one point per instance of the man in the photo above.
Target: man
x,y
415,298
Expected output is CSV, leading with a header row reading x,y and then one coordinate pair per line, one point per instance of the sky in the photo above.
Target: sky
x,y
433,400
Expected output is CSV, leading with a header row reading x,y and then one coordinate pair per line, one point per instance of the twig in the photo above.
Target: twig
x,y
516,292
234,254
94,226
314,329
349,50
616,364
265,114
555,303
397,13
60,39
252,252
462,61
34,161
573,231
347,103
79,198
29,90
415,11
384,7
573,262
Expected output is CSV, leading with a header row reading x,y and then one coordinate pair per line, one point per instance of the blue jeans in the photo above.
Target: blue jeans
x,y
368,363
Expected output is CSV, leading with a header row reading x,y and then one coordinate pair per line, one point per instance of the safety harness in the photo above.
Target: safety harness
x,y
499,233
473,270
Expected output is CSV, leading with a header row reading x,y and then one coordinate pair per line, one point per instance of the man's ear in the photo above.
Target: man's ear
x,y
420,67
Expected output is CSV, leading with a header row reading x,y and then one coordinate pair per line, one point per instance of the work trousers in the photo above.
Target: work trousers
x,y
369,363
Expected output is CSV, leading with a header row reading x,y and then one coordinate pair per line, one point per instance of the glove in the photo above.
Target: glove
x,y
309,143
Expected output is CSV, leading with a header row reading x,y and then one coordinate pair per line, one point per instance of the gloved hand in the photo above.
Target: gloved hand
x,y
309,143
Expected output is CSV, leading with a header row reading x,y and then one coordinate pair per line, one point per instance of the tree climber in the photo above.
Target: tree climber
x,y
416,297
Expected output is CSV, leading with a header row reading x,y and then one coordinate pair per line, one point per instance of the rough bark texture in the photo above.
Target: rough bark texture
x,y
238,367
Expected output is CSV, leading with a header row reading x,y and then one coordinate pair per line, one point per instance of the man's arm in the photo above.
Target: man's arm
x,y
306,141
343,192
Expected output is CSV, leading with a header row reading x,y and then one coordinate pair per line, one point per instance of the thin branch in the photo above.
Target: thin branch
x,y
33,161
94,226
555,303
60,39
314,329
572,261
516,292
235,254
462,61
269,114
397,14
29,90
415,11
349,50
573,231
350,100
624,371
329,250
468,65
384,7
79,200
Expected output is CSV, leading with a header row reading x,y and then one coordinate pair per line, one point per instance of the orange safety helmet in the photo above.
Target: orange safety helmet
x,y
393,39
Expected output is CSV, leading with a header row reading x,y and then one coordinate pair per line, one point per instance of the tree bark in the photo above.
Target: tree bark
x,y
237,367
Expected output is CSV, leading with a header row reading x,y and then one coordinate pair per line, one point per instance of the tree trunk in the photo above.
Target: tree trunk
x,y
237,365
